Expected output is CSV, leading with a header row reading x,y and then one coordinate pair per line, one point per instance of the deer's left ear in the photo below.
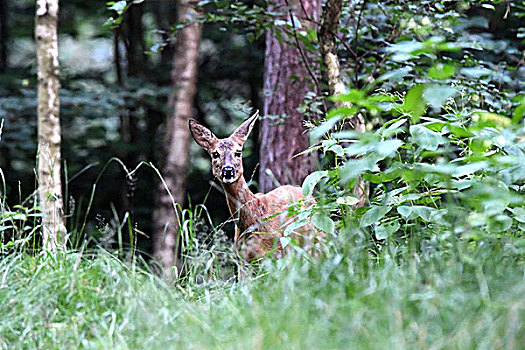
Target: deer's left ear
x,y
202,135
242,132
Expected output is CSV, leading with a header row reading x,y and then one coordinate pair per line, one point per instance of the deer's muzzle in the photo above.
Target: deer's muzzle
x,y
228,173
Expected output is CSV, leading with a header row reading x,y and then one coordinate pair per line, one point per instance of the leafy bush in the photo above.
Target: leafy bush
x,y
445,142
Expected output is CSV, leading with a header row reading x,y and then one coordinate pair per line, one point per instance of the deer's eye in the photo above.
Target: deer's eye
x,y
215,155
238,154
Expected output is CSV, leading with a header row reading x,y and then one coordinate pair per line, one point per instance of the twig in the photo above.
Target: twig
x,y
304,9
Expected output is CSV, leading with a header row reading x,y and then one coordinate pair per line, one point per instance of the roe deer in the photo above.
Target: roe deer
x,y
261,218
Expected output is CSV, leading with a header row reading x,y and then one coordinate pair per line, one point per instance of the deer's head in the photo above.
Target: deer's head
x,y
226,154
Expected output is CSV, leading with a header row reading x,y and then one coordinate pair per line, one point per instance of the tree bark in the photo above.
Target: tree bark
x,y
286,81
49,138
177,140
327,42
4,35
134,40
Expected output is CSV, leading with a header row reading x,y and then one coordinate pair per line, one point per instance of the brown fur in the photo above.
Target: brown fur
x,y
261,218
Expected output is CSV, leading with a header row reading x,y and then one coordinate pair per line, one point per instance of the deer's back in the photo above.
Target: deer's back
x,y
270,213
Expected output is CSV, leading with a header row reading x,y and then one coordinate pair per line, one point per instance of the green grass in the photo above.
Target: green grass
x,y
457,295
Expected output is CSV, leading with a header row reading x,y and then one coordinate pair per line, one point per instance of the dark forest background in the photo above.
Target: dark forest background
x,y
114,105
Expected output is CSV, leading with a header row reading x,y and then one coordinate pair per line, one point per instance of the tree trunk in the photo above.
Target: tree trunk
x,y
132,34
49,139
134,40
177,141
116,55
327,42
4,36
286,81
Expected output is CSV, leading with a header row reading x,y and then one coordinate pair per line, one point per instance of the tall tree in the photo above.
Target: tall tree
x,y
133,35
177,140
288,73
49,138
131,32
327,43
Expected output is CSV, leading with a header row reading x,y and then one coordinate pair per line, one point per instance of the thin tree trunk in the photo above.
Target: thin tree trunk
x,y
49,139
177,141
286,81
116,55
132,34
327,42
134,37
4,35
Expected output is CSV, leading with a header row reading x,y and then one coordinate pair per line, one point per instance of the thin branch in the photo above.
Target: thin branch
x,y
304,9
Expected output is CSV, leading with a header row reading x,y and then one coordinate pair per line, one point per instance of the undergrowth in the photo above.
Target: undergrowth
x,y
466,295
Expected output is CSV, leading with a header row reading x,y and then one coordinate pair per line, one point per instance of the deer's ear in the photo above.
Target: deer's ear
x,y
243,131
202,135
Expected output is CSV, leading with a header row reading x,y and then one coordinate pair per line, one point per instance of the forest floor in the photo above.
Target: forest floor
x,y
457,295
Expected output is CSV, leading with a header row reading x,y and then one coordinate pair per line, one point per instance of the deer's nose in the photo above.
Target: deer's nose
x,y
228,172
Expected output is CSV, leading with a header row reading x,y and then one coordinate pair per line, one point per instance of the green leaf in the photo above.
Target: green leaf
x,y
423,212
355,167
323,222
373,215
388,175
414,103
426,138
386,230
441,71
353,96
407,212
519,214
118,6
437,95
388,147
322,129
500,223
470,168
395,75
476,72
347,200
312,180
294,225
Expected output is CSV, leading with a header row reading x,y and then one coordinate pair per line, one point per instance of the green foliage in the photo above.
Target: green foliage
x,y
445,135
435,260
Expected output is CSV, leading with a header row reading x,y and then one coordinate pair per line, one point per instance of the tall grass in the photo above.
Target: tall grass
x,y
426,291
461,297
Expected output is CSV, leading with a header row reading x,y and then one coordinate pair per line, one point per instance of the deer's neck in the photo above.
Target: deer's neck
x,y
241,202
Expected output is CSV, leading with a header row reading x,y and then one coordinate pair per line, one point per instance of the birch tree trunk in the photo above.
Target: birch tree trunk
x,y
49,167
327,42
287,75
177,141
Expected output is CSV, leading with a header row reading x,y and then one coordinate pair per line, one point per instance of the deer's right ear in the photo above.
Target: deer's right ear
x,y
243,131
202,135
